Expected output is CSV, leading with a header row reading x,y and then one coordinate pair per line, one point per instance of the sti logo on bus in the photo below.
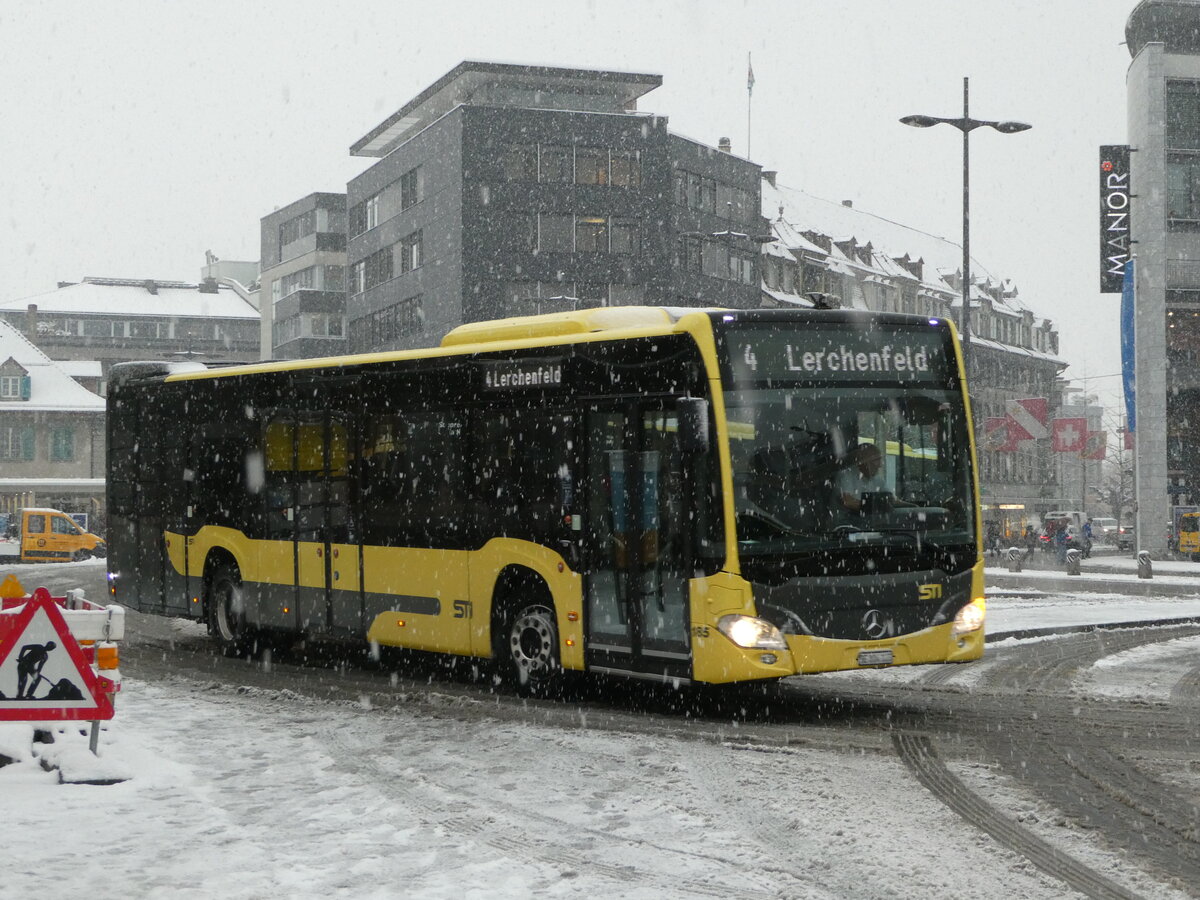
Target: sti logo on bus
x,y
929,591
518,374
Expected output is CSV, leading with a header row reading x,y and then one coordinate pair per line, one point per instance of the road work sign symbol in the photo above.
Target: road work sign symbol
x,y
43,673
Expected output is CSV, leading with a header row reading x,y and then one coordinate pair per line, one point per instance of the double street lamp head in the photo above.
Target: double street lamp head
x,y
965,124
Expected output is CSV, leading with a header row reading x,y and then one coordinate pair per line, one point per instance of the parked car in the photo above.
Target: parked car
x,y
1125,538
1104,531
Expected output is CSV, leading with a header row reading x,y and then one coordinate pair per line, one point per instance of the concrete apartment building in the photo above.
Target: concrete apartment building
x,y
304,278
509,190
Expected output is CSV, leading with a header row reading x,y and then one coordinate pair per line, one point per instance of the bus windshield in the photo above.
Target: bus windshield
x,y
847,438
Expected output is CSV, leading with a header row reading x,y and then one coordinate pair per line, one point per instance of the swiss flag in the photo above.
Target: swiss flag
x,y
1096,445
1069,435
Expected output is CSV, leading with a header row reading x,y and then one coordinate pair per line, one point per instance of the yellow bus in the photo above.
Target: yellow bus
x,y
655,492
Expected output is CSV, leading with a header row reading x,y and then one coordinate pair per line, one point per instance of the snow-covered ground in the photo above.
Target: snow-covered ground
x,y
246,793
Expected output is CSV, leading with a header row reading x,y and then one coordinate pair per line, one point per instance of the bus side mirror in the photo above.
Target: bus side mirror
x,y
692,415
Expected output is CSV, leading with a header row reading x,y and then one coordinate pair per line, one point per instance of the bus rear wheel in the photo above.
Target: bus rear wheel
x,y
226,608
530,652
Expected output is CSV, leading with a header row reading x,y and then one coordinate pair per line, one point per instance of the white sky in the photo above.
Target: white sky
x,y
138,135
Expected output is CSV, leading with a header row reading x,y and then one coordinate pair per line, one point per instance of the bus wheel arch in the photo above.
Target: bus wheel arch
x,y
525,642
224,603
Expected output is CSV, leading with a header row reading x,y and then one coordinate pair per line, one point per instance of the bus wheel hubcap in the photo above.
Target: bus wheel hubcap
x,y
531,640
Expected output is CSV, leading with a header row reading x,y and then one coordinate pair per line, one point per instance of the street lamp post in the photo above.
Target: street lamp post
x,y
966,125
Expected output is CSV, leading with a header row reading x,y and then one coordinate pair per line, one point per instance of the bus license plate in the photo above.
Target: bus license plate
x,y
875,657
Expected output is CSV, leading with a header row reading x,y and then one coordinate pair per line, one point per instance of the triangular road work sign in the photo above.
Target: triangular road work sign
x,y
43,673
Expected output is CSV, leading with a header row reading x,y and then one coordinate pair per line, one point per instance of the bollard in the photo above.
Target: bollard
x,y
1015,559
1073,557
1145,570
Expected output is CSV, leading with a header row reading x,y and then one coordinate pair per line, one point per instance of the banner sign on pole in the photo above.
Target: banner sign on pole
x,y
1128,296
1114,216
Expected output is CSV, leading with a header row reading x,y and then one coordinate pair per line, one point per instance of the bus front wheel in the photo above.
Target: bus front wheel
x,y
227,621
530,649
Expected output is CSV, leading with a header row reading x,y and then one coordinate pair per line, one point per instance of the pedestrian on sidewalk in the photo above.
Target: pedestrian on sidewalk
x,y
1060,543
1087,538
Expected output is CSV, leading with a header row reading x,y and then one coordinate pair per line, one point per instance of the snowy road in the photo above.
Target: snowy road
x,y
250,783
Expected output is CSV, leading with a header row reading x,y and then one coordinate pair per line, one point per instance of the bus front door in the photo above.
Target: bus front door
x,y
636,583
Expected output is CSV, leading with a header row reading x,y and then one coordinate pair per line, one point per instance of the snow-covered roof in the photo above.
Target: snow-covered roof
x,y
81,368
792,211
130,297
51,389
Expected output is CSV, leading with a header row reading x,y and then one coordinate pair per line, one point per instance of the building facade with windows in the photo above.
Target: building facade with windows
x,y
111,320
510,190
1163,112
51,433
303,294
835,253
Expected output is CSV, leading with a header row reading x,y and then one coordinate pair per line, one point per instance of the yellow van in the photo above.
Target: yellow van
x,y
1189,534
49,535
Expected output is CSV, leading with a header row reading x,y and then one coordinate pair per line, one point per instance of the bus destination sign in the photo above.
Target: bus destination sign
x,y
521,374
822,354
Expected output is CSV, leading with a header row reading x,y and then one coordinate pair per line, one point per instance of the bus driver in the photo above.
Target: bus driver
x,y
862,474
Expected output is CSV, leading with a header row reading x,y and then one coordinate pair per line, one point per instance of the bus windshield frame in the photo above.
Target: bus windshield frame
x,y
847,436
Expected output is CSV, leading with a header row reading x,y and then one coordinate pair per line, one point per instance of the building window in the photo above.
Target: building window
x,y
358,277
335,278
356,221
298,281
371,208
626,168
591,165
591,234
1183,186
625,294
324,325
276,291
625,236
554,164
1183,115
520,162
389,325
379,267
16,443
10,387
556,234
410,187
62,445
410,252
294,229
149,329
519,232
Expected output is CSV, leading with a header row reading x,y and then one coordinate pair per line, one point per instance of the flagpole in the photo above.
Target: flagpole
x,y
749,99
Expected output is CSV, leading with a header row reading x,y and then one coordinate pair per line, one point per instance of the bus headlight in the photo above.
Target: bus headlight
x,y
751,633
970,617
